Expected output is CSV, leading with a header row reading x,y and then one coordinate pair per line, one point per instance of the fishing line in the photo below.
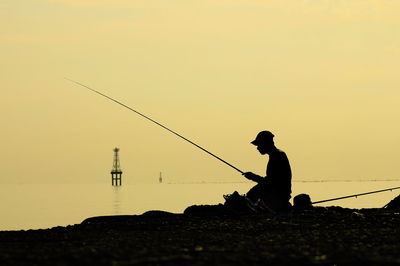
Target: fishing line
x,y
155,122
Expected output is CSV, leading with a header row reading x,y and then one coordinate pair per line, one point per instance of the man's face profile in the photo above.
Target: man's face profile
x,y
262,148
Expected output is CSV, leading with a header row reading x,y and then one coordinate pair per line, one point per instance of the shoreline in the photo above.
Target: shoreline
x,y
321,236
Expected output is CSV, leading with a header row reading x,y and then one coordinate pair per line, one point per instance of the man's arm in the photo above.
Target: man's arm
x,y
253,177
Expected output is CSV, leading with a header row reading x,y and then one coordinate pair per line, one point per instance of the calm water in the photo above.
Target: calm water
x,y
42,206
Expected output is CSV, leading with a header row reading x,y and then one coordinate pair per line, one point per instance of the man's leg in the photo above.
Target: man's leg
x,y
255,193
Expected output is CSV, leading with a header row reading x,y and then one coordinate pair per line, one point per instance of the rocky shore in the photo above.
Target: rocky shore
x,y
323,236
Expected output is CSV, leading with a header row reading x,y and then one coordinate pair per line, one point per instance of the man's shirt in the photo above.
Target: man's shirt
x,y
279,176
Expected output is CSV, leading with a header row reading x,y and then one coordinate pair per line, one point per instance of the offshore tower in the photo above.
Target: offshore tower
x,y
116,172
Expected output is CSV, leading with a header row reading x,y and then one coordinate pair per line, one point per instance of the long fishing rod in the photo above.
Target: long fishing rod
x,y
157,123
356,195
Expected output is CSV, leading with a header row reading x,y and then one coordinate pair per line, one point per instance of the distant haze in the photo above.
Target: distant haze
x,y
323,76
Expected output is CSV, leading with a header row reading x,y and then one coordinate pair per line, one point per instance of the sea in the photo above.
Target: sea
x,y
41,206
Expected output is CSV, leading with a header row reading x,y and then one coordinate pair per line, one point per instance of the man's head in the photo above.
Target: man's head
x,y
264,142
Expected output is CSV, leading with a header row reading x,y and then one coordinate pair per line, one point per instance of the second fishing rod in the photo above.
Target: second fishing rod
x,y
155,122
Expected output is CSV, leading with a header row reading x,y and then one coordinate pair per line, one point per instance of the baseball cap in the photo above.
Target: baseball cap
x,y
262,137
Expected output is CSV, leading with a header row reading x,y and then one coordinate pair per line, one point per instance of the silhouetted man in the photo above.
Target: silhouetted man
x,y
274,189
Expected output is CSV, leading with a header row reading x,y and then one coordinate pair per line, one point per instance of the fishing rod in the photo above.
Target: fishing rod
x,y
356,195
155,122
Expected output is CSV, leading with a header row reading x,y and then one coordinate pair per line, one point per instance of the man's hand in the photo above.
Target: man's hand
x,y
253,177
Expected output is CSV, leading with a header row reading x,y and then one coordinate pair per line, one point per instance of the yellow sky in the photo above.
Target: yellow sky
x,y
321,75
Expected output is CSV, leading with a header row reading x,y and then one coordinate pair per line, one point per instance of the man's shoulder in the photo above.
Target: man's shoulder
x,y
280,153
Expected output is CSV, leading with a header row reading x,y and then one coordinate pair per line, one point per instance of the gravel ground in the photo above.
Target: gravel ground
x,y
323,236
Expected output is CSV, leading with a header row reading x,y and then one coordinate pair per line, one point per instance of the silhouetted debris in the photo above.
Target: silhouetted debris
x,y
302,202
209,210
394,204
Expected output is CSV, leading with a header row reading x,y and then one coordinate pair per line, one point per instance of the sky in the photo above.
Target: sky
x,y
321,75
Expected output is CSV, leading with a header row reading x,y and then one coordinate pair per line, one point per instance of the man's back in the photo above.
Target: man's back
x,y
279,176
